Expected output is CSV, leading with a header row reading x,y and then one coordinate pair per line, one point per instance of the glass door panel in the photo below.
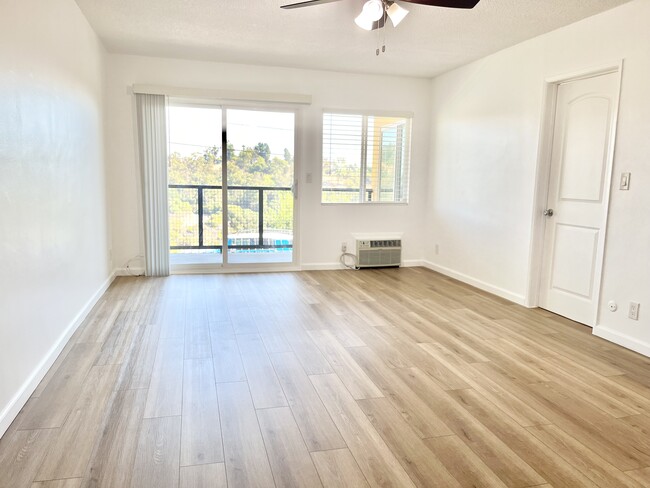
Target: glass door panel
x,y
260,174
195,185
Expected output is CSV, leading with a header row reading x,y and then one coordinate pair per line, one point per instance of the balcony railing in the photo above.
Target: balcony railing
x,y
196,216
251,200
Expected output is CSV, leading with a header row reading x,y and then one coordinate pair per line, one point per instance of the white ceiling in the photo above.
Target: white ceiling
x,y
429,41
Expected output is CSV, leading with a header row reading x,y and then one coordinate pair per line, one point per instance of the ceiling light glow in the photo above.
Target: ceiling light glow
x,y
373,10
396,14
363,22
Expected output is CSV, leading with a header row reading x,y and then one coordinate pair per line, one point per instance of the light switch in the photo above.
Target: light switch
x,y
308,178
625,181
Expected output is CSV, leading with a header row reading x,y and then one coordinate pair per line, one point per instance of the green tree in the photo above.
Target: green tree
x,y
287,156
262,149
248,167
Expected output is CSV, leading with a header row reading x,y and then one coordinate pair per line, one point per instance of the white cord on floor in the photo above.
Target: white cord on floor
x,y
353,256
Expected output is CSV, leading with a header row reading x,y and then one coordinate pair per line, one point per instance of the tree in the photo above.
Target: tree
x,y
247,167
262,149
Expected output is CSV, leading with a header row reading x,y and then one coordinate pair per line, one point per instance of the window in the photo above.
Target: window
x,y
365,158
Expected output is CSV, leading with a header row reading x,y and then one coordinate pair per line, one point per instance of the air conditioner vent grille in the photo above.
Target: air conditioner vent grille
x,y
375,253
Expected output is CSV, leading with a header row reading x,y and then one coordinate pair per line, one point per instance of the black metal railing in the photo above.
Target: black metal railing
x,y
257,206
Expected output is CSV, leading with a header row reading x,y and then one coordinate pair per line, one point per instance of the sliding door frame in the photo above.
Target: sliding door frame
x,y
225,266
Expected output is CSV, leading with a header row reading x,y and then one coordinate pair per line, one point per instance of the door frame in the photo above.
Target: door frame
x,y
543,173
225,266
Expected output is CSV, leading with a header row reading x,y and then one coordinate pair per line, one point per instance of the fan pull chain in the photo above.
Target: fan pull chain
x,y
379,35
383,47
377,39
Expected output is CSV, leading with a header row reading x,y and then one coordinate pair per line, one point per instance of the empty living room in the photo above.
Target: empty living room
x,y
324,244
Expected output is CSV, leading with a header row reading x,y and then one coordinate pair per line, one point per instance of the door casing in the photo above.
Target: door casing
x,y
543,173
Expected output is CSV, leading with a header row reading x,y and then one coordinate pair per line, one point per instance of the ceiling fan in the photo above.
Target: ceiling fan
x,y
374,12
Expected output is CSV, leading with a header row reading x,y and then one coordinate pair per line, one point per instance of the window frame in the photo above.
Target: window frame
x,y
407,134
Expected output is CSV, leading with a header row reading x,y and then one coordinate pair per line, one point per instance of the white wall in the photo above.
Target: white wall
x,y
322,228
53,217
486,120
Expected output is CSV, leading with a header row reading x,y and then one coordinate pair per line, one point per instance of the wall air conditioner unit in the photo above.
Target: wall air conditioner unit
x,y
376,253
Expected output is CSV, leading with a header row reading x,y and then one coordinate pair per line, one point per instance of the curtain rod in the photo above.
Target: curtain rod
x,y
212,94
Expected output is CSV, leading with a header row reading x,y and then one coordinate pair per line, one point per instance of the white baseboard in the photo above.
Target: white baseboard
x,y
621,339
11,411
321,266
482,285
129,271
334,266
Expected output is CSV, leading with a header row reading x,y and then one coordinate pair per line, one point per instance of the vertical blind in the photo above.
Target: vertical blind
x,y
152,137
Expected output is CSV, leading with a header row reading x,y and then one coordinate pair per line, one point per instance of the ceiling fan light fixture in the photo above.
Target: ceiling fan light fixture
x,y
373,10
396,14
363,22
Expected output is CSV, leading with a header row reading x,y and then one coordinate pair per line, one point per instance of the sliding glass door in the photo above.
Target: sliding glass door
x,y
195,185
260,180
231,174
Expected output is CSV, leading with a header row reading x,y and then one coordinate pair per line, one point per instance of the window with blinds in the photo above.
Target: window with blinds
x,y
365,158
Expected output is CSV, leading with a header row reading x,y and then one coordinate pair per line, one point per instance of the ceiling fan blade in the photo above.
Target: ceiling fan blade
x,y
307,3
446,3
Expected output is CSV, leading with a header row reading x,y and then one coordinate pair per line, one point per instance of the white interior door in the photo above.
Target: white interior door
x,y
577,197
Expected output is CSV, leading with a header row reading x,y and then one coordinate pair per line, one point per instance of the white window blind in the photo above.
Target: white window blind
x,y
365,158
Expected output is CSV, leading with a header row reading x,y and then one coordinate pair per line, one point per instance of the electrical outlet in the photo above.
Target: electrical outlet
x,y
437,249
344,246
634,310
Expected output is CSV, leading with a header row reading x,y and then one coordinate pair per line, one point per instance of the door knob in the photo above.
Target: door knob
x,y
548,212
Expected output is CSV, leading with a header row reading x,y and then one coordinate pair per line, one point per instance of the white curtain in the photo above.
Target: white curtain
x,y
152,131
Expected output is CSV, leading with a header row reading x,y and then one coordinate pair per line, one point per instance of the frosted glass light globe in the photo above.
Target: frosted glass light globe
x,y
373,10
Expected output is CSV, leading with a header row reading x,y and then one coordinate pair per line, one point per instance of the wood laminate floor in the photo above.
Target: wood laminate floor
x,y
396,377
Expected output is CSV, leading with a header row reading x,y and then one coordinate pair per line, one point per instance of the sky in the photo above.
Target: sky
x,y
192,129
